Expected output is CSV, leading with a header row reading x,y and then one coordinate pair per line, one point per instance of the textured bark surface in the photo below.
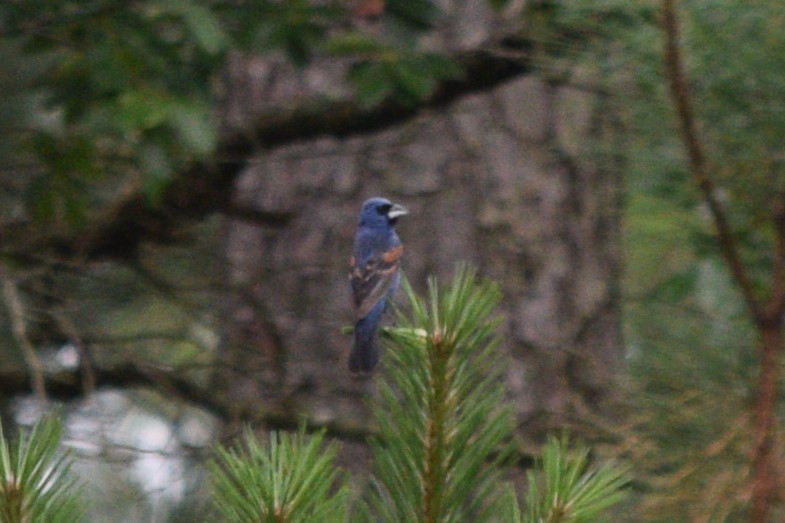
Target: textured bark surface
x,y
495,179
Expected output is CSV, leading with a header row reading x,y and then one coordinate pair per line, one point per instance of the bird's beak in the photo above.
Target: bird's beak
x,y
397,211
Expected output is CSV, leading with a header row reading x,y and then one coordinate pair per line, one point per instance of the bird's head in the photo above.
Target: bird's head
x,y
380,212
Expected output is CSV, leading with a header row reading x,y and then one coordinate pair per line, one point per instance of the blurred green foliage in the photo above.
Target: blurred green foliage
x,y
121,91
691,345
98,95
103,96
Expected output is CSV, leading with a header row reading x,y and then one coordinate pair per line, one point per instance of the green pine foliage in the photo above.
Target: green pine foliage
x,y
442,421
290,479
444,432
35,481
563,489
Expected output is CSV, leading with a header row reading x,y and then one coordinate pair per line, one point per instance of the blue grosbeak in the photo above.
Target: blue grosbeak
x,y
375,272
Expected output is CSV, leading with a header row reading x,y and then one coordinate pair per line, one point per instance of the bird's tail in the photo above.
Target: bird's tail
x,y
365,351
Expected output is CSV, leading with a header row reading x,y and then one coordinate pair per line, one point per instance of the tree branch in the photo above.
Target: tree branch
x,y
699,170
767,314
206,187
66,385
19,328
775,306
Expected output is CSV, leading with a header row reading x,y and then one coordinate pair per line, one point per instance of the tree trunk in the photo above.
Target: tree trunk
x,y
498,179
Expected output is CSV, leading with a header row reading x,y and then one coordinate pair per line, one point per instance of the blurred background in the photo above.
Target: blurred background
x,y
180,183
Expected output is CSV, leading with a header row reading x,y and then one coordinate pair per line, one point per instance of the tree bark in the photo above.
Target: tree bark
x,y
498,178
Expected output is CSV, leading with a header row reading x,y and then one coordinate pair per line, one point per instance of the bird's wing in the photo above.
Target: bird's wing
x,y
372,280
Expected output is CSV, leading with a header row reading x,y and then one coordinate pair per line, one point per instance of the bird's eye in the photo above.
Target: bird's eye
x,y
384,208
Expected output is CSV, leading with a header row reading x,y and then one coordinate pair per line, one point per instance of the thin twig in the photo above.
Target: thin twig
x,y
19,326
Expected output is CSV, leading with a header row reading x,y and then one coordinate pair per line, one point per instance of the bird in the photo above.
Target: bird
x,y
374,276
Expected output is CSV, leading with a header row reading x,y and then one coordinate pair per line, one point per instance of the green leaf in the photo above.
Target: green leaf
x,y
442,67
41,199
299,41
418,15
677,286
353,43
412,79
195,128
205,28
498,5
157,169
77,157
143,109
75,207
371,83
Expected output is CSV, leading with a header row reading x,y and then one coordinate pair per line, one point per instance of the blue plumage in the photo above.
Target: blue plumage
x,y
375,273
